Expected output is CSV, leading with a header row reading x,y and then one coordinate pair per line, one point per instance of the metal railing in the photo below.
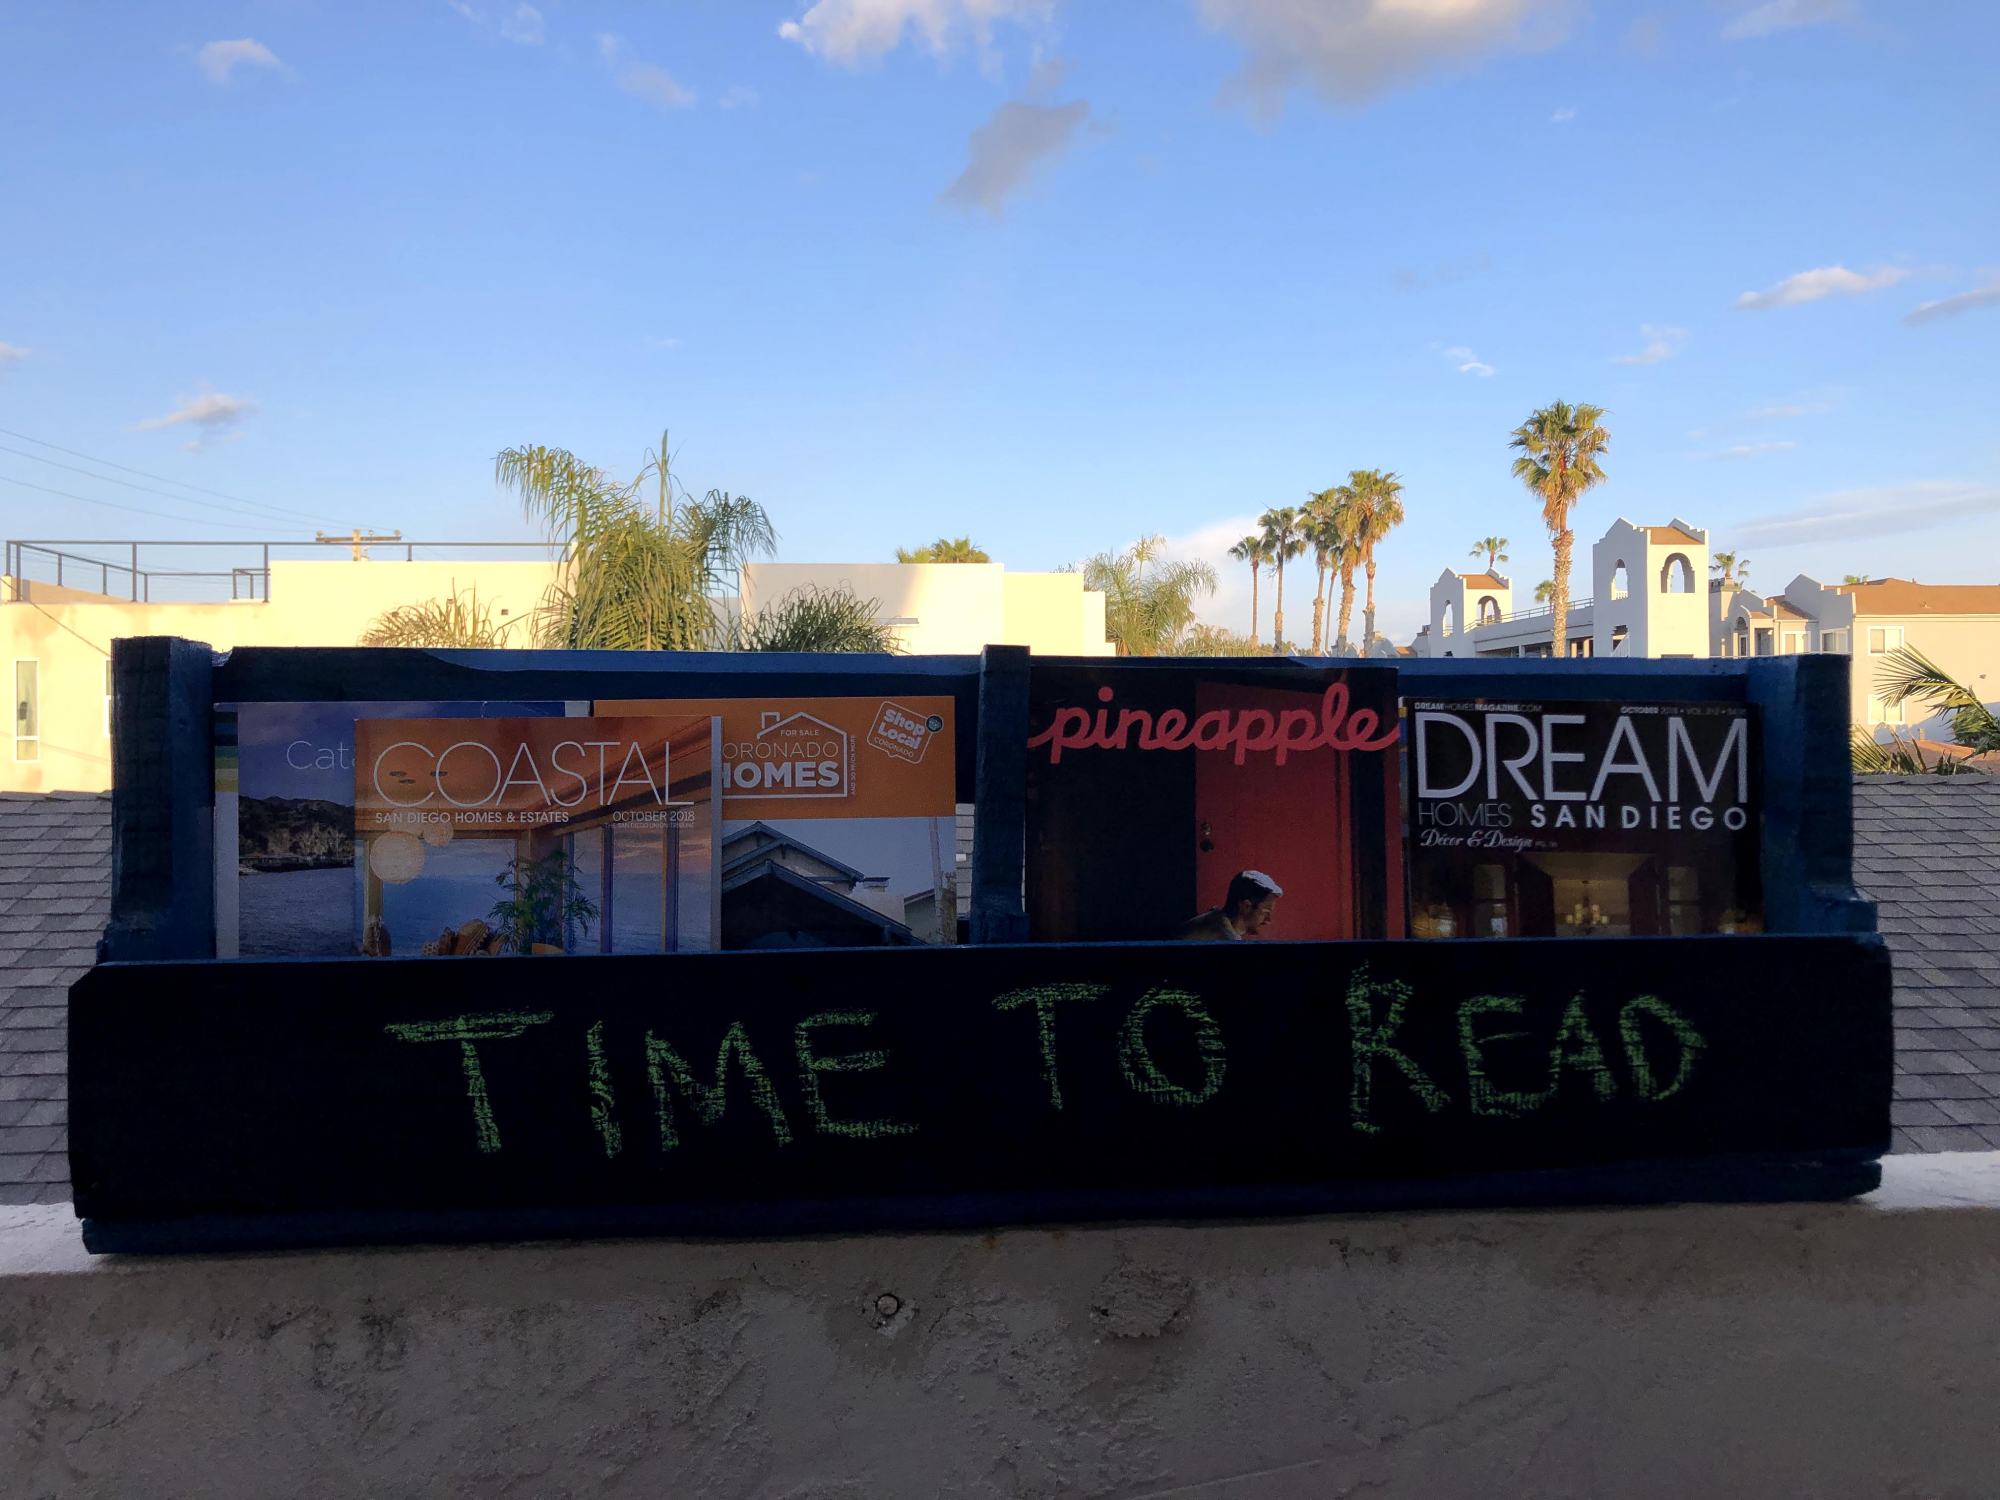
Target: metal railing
x,y
1540,611
122,570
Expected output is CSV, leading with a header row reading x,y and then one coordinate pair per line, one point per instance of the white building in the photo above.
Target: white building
x,y
950,608
1649,598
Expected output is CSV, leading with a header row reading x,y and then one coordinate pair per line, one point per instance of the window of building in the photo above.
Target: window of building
x,y
107,697
1444,621
1880,712
1833,640
1883,638
1619,587
1618,635
1766,645
1677,575
1489,610
27,710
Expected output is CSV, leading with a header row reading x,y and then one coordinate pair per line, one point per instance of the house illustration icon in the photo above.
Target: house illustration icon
x,y
794,756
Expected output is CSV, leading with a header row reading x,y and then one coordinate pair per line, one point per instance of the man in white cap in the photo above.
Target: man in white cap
x,y
1245,911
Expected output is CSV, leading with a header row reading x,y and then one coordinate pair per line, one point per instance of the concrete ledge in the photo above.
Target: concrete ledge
x,y
1756,1350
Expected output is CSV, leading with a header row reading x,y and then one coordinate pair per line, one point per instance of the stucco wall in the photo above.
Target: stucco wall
x,y
1827,1351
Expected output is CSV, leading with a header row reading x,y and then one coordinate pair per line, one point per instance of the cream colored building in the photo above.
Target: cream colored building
x,y
57,638
1649,597
1955,625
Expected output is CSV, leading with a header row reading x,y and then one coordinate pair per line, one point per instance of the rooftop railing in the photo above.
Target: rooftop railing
x,y
177,572
1539,612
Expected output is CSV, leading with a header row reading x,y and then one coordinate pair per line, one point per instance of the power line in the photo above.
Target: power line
x,y
135,509
161,478
146,488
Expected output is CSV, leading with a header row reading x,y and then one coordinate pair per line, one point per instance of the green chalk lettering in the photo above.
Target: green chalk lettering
x,y
811,1065
1576,1047
1045,998
1144,1075
1643,1081
1372,1043
466,1031
1483,1097
665,1067
603,1106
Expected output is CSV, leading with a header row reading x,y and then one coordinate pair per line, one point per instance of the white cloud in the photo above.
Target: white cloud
x,y
1006,151
640,78
219,59
1467,362
1827,281
739,97
1564,115
852,32
214,416
1782,15
1853,514
524,25
1951,307
1350,51
1661,342
11,355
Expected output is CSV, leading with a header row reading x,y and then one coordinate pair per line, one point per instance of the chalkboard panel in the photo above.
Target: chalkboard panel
x,y
732,1089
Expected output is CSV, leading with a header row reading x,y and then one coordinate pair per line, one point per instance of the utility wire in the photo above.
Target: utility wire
x,y
161,478
148,489
136,509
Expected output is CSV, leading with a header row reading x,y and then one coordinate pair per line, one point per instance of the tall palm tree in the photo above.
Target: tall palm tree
x,y
1251,550
1323,523
1732,570
635,577
1560,446
1346,522
1378,512
1545,591
1495,548
1284,541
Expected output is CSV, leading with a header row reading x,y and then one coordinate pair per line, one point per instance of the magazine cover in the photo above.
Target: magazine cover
x,y
284,819
839,824
1211,803
1582,819
536,836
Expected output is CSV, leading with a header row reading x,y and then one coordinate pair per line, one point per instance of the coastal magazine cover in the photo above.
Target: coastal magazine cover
x,y
478,837
284,819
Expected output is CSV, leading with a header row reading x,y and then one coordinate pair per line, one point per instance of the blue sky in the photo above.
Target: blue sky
x,y
1048,272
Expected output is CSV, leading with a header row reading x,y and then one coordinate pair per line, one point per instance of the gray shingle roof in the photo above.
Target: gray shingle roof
x,y
55,897
1927,852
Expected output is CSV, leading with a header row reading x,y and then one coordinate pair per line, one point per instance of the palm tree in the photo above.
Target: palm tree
x,y
1251,550
1545,591
1560,446
1906,673
1495,548
635,578
944,550
817,619
1284,541
1855,578
1325,524
1147,614
460,621
1732,570
1378,512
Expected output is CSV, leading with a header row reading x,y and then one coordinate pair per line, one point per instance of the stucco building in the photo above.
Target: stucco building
x,y
61,606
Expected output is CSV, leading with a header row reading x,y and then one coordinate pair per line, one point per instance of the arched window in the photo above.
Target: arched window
x,y
1619,587
1742,637
1489,610
1445,627
1677,575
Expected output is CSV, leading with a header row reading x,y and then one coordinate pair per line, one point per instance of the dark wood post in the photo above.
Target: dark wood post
x,y
1000,797
162,800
